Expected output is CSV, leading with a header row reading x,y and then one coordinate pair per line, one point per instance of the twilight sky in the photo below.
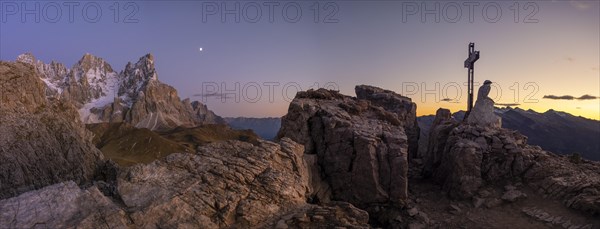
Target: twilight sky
x,y
528,49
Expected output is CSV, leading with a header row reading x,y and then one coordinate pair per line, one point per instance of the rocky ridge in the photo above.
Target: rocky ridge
x,y
35,130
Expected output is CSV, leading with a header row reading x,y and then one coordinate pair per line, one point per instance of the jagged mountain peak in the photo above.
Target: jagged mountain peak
x,y
135,95
27,58
146,61
142,70
148,56
89,61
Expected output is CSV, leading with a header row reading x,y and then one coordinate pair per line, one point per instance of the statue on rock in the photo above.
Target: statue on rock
x,y
484,90
483,111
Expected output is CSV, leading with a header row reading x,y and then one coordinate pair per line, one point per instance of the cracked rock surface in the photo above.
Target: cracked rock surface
x,y
61,205
361,146
473,156
42,141
228,184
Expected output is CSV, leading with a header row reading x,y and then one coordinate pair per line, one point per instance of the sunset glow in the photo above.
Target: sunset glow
x,y
544,48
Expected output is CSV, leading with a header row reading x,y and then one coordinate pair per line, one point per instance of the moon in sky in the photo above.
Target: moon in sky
x,y
200,49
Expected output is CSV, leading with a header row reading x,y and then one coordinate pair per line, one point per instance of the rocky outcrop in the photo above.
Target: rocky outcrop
x,y
483,114
360,148
42,141
555,131
401,106
478,153
438,135
476,156
135,95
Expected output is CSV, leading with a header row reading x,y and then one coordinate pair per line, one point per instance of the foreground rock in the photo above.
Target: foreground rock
x,y
62,205
331,215
225,184
230,184
477,156
359,148
42,142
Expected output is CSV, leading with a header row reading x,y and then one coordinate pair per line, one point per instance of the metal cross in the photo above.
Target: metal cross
x,y
470,64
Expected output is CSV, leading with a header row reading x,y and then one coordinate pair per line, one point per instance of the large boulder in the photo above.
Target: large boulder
x,y
42,141
360,149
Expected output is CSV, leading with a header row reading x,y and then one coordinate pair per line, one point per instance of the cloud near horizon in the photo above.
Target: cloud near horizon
x,y
570,97
508,104
581,5
449,100
215,95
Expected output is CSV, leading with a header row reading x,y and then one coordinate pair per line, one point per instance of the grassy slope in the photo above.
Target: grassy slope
x,y
128,145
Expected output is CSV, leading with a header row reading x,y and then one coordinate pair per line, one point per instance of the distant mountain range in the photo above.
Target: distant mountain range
x,y
266,128
555,131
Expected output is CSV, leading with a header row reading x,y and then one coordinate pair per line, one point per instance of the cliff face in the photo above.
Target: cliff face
x,y
359,148
42,141
401,106
438,137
